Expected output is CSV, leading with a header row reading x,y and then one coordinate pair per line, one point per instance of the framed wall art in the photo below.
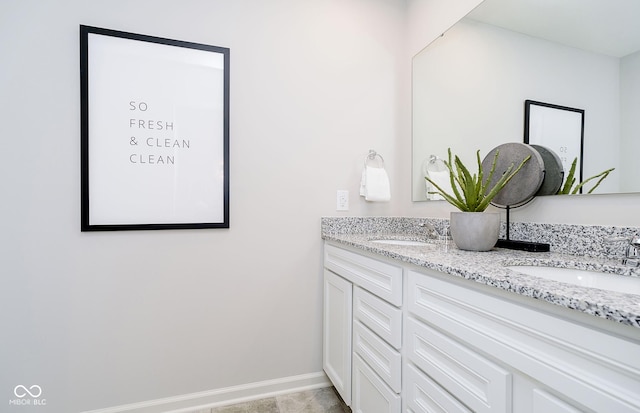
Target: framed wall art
x,y
154,132
558,128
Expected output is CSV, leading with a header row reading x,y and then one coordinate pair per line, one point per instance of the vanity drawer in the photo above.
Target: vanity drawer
x,y
381,317
379,355
423,395
477,382
370,393
380,278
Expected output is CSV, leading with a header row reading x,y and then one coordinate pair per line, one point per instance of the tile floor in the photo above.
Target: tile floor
x,y
324,400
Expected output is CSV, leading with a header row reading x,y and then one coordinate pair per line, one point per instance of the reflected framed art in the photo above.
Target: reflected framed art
x,y
558,128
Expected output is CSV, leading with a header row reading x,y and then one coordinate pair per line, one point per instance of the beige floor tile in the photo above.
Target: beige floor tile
x,y
314,401
324,400
261,406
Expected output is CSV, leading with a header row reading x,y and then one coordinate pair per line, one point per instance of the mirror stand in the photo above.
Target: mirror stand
x,y
520,245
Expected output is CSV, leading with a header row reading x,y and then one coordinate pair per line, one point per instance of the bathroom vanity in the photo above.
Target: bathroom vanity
x,y
430,328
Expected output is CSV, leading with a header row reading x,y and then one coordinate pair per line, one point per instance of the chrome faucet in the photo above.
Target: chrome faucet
x,y
632,252
432,232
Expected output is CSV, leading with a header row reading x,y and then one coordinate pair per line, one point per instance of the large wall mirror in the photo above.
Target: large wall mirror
x,y
470,85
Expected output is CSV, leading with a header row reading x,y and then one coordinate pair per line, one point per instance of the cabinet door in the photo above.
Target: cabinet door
x,y
337,322
370,393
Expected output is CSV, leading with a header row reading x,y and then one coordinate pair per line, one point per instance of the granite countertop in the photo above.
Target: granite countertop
x,y
489,268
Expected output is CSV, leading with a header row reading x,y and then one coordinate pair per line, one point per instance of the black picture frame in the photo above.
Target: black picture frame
x,y
559,128
154,132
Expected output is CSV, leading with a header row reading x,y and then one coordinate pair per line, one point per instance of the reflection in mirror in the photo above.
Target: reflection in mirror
x,y
471,84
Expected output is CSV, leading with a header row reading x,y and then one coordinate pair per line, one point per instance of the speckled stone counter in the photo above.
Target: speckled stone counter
x,y
489,268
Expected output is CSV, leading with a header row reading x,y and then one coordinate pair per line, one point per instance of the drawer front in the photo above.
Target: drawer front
x,y
379,355
380,278
370,393
477,382
423,395
381,317
544,402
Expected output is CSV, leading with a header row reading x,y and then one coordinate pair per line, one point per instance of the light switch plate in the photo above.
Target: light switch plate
x,y
342,200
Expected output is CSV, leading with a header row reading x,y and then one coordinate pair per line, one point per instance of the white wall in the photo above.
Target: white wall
x,y
104,319
428,19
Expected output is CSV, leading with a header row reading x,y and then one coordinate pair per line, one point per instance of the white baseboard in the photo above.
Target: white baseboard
x,y
225,396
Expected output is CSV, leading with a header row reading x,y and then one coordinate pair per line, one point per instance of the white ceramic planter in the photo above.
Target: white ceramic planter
x,y
475,231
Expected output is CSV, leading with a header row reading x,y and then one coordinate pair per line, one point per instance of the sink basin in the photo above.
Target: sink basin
x,y
404,242
584,278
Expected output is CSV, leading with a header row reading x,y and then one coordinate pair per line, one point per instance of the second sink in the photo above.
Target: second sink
x,y
584,278
405,242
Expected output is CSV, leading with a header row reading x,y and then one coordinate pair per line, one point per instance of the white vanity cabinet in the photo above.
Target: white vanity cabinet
x,y
399,337
363,329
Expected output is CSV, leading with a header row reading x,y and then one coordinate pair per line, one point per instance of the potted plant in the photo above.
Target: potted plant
x,y
473,229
